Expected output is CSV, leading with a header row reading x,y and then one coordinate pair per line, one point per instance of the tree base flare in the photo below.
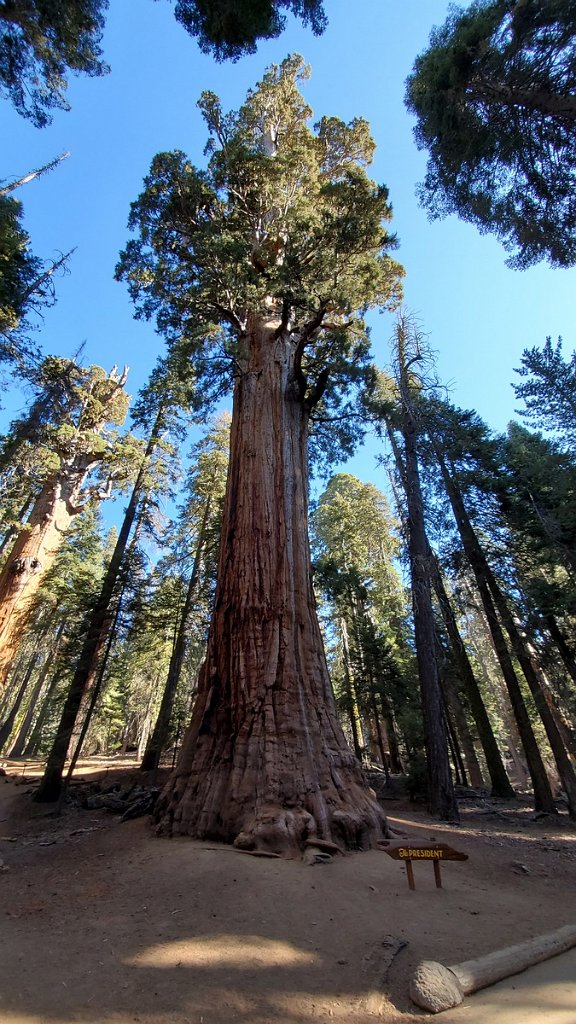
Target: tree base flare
x,y
271,828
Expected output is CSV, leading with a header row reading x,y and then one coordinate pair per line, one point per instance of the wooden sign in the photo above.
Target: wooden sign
x,y
434,852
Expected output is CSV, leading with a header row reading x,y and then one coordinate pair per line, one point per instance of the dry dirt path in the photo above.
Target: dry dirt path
x,y
545,994
102,923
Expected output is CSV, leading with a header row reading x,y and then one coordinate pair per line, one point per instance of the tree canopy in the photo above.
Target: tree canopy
x,y
494,98
231,28
40,41
283,222
548,390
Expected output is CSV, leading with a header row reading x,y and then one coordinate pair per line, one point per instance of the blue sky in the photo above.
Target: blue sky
x,y
479,315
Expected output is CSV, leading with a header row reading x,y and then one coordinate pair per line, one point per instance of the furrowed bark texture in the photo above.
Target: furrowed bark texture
x,y
441,797
265,763
30,558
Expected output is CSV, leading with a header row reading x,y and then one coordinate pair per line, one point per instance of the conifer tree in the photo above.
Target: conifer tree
x,y
199,529
449,446
26,281
163,408
267,260
408,355
494,98
79,442
548,391
354,547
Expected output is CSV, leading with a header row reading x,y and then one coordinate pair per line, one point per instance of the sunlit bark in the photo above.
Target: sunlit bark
x,y
265,763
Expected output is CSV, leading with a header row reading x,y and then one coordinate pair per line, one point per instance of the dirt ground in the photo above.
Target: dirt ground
x,y
102,923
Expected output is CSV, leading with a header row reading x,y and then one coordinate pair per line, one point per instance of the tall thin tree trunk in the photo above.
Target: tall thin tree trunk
x,y
99,619
543,798
33,743
8,724
566,652
540,693
20,741
441,798
351,701
96,691
462,736
457,759
396,766
378,728
159,737
264,763
500,782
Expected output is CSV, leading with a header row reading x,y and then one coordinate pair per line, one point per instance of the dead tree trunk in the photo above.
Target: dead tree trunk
x,y
264,763
441,798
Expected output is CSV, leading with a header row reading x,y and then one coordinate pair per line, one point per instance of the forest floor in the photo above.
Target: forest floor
x,y
103,923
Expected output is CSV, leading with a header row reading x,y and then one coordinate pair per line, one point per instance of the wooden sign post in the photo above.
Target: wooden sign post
x,y
434,852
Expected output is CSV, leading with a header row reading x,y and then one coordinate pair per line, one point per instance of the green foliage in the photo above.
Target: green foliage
x,y
231,28
21,287
284,223
494,98
40,41
69,427
549,392
18,268
58,619
540,508
355,547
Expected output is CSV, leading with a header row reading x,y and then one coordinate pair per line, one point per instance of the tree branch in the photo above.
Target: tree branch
x,y
312,325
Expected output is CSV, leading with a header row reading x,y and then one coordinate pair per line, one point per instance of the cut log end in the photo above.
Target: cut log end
x,y
435,988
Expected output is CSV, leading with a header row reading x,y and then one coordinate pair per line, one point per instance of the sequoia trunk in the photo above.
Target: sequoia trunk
x,y
264,763
31,556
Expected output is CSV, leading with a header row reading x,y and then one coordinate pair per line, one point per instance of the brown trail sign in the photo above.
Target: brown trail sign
x,y
434,852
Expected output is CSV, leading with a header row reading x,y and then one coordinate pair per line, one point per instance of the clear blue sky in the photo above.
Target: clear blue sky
x,y
478,314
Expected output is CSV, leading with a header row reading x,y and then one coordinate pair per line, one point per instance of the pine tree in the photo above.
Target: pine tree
x,y
200,524
26,281
548,391
354,547
408,383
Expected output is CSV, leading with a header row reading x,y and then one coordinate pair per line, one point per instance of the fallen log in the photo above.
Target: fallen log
x,y
436,988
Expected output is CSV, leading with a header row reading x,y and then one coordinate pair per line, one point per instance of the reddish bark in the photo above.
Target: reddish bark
x,y
265,763
31,557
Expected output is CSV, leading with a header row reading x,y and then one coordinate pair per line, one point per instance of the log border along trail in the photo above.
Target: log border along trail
x,y
436,988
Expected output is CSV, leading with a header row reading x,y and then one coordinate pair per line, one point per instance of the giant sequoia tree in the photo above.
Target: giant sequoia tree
x,y
494,98
265,261
77,442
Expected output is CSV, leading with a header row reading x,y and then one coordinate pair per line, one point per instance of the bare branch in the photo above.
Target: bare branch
x,y
7,189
